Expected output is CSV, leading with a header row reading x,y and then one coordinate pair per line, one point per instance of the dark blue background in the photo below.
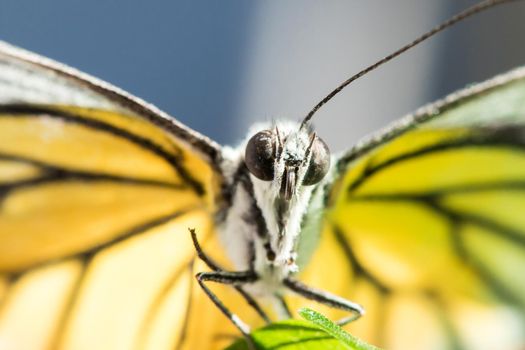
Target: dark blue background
x,y
189,57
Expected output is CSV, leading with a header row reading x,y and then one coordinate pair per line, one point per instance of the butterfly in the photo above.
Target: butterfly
x,y
104,201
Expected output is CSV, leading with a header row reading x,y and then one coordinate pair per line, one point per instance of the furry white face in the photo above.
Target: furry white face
x,y
285,161
289,157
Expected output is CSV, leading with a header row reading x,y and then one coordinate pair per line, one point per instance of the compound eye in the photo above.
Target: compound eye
x,y
260,155
319,162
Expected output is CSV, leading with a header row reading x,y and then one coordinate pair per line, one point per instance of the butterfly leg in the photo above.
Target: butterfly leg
x,y
326,298
229,278
251,301
216,267
201,254
284,310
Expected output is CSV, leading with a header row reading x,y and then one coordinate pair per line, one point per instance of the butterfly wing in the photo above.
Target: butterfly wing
x,y
426,225
97,192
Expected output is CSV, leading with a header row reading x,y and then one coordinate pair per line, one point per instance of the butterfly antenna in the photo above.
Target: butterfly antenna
x,y
484,5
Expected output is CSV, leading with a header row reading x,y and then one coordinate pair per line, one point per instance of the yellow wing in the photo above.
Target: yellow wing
x,y
426,225
97,192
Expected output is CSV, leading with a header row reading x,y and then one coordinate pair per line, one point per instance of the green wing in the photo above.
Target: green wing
x,y
430,218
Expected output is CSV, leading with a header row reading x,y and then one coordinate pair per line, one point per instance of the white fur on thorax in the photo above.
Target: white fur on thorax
x,y
235,233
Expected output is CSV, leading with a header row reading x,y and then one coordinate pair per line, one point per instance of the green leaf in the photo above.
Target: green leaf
x,y
317,333
335,331
290,335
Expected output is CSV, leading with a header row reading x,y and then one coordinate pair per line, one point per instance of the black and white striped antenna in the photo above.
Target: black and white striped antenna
x,y
482,6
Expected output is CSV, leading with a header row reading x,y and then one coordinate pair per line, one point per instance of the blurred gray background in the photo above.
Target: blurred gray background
x,y
220,66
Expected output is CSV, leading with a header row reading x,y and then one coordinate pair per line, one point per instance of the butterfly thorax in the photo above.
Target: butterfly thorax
x,y
269,192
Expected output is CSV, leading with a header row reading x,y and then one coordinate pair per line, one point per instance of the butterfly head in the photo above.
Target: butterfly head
x,y
288,158
285,162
